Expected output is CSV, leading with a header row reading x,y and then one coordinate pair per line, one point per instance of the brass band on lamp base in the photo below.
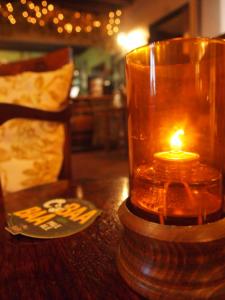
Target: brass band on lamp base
x,y
172,262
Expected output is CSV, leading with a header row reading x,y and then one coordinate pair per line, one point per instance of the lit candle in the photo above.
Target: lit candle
x,y
176,154
176,185
176,166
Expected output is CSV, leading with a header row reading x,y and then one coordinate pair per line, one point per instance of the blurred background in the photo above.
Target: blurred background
x,y
100,33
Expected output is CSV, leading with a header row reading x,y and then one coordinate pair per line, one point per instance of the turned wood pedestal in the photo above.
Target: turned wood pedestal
x,y
171,262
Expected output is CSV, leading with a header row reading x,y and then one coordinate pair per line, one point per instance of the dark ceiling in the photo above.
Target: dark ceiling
x,y
92,5
13,40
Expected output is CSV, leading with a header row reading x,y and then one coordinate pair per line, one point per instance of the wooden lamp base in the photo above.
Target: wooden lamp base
x,y
172,262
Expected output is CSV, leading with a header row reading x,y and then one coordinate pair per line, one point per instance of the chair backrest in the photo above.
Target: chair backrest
x,y
34,100
50,62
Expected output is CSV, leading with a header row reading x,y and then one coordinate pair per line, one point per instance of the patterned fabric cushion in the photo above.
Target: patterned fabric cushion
x,y
32,151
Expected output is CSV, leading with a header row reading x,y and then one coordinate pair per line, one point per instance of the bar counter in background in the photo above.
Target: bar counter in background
x,y
98,122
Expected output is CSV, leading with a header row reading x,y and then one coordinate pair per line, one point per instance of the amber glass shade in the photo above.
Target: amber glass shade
x,y
176,122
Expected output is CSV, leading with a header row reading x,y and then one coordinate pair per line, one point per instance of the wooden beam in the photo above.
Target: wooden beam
x,y
97,6
42,43
37,47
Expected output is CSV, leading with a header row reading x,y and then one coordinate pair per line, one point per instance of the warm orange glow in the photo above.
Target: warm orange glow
x,y
175,141
118,12
175,165
42,23
25,14
37,8
60,16
38,14
44,3
9,7
96,23
88,28
44,11
111,14
55,20
77,14
50,7
78,29
117,21
176,154
68,27
31,5
133,39
60,29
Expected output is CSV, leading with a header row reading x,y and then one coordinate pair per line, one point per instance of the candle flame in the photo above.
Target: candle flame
x,y
175,141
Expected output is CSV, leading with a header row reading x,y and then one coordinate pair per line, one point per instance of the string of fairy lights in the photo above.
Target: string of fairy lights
x,y
46,14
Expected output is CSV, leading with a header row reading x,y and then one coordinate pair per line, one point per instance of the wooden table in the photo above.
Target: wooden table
x,y
82,266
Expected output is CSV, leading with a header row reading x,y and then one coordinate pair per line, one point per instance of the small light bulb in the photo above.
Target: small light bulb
x,y
44,11
77,14
68,27
117,21
88,28
38,14
111,14
50,7
78,29
25,14
60,16
60,29
118,12
55,20
42,23
31,5
96,23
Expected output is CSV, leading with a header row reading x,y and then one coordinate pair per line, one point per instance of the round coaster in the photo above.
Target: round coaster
x,y
53,218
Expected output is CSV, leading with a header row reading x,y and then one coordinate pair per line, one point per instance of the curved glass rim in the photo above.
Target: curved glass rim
x,y
178,39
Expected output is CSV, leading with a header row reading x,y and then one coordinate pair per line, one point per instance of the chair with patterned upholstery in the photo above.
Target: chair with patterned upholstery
x,y
34,121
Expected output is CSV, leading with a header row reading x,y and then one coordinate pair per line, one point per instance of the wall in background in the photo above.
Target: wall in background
x,y
213,17
206,16
10,55
222,17
142,13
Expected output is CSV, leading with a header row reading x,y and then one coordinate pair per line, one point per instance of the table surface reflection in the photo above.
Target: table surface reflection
x,y
82,266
